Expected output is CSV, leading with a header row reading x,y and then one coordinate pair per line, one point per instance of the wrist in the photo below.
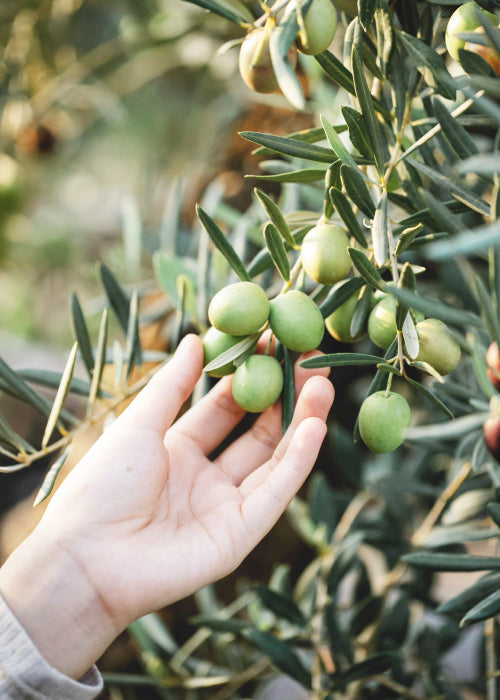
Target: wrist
x,y
48,591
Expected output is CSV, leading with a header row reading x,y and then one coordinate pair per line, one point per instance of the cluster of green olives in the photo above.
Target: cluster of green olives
x,y
465,20
242,309
319,24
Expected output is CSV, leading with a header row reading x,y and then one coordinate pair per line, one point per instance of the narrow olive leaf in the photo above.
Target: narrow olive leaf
x,y
233,13
431,396
280,653
9,436
340,294
458,534
51,476
336,70
427,368
465,196
366,11
281,39
290,147
430,65
459,604
368,111
340,359
234,353
435,309
444,219
81,334
406,281
100,361
311,135
457,136
219,624
407,237
474,64
476,241
51,380
118,299
484,164
339,642
489,607
280,605
14,385
361,312
357,131
366,269
385,35
61,396
344,210
332,179
490,30
373,665
274,213
391,369
356,189
410,336
380,233
302,176
222,244
488,310
133,351
442,561
337,145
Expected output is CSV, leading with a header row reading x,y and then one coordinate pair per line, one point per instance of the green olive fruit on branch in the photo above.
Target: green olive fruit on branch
x,y
255,64
239,309
384,421
257,383
296,321
214,344
338,323
464,20
324,253
437,346
382,326
320,25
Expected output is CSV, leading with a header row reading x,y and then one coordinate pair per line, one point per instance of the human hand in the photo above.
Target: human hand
x,y
146,518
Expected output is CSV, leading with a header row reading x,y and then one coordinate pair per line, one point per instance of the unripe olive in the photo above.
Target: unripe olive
x,y
239,309
256,67
464,20
320,24
382,326
257,383
214,344
324,253
493,365
384,421
296,321
437,346
338,323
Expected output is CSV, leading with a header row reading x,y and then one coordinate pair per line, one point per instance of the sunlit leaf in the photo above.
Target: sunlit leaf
x,y
51,476
61,396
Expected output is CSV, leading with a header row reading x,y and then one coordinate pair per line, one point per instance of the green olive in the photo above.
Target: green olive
x,y
320,25
324,253
338,323
296,321
214,344
255,64
384,421
382,327
437,346
239,309
464,20
257,383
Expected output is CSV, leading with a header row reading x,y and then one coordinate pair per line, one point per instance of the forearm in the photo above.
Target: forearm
x,y
48,592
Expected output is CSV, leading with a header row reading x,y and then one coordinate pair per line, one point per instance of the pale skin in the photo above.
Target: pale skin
x,y
146,518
